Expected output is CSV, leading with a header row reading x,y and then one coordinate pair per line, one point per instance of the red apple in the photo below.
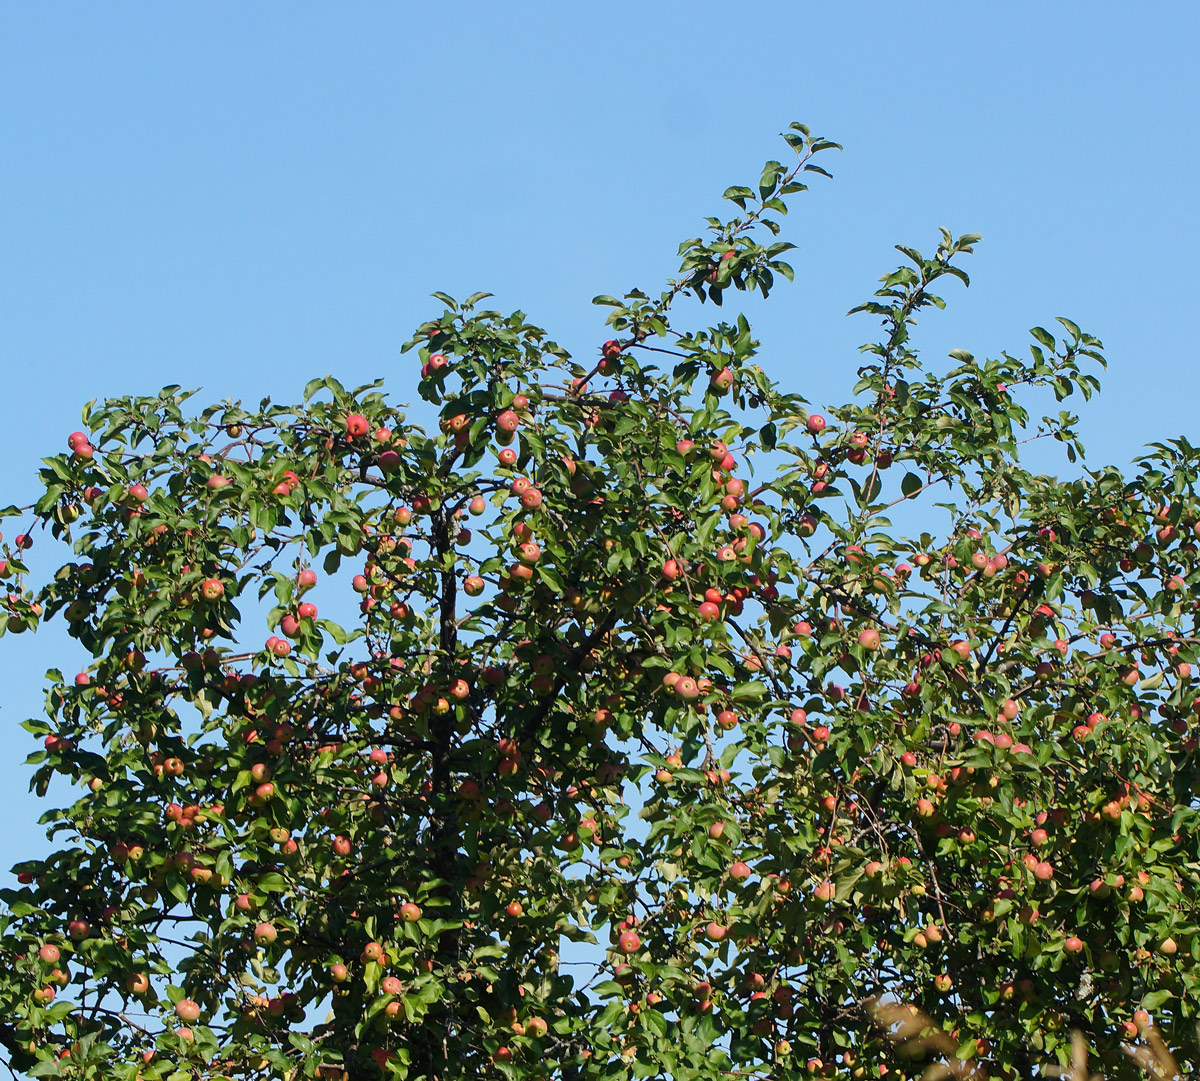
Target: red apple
x,y
187,1010
629,942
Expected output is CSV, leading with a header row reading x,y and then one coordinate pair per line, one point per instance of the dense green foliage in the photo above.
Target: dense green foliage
x,y
637,657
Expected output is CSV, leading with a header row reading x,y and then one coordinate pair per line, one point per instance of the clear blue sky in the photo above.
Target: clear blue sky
x,y
247,195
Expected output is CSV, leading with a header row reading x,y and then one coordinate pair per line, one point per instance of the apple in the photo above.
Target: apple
x,y
357,426
715,932
212,589
629,942
868,638
739,871
1073,944
79,930
372,951
50,954
265,934
721,381
410,912
815,423
187,1010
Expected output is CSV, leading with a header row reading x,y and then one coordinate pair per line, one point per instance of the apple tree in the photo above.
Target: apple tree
x,y
635,719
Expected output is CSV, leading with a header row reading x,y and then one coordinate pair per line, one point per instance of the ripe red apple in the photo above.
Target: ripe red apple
x,y
715,932
629,942
868,638
212,589
410,912
815,423
50,954
357,426
265,934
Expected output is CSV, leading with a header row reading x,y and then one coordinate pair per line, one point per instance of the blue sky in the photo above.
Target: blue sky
x,y
245,196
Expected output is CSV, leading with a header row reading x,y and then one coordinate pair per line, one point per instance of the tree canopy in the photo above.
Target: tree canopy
x,y
669,724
